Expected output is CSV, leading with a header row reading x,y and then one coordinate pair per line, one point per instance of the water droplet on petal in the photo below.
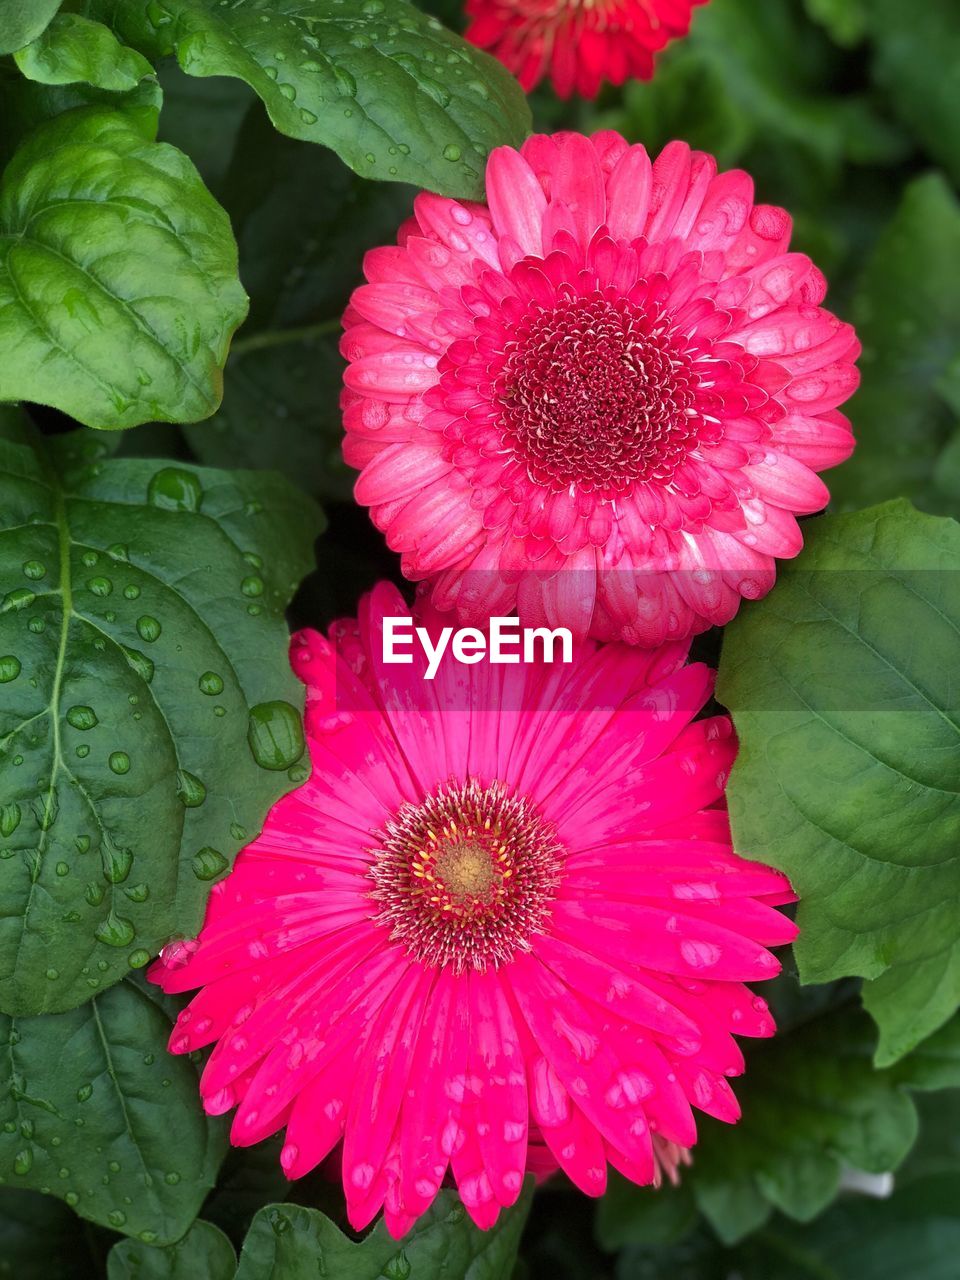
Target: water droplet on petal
x,y
699,955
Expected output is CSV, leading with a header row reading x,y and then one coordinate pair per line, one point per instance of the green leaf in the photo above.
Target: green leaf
x,y
303,223
627,1214
75,50
918,63
914,1234
202,118
754,81
813,1103
395,94
287,1242
280,410
118,284
95,1112
40,1237
907,313
937,1150
250,1178
204,1253
23,20
843,689
846,20
25,104
148,717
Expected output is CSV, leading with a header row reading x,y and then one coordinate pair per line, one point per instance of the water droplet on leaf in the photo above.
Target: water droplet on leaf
x,y
275,735
174,489
208,863
81,717
148,628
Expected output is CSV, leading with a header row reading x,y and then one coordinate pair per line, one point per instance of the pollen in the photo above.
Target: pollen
x,y
598,393
465,878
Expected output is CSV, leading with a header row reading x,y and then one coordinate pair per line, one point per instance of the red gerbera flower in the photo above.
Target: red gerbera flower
x,y
600,401
578,43
500,928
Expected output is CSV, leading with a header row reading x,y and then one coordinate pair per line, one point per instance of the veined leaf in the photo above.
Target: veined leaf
x,y
844,686
118,275
287,1242
907,312
389,88
148,717
94,1111
75,50
204,1253
23,20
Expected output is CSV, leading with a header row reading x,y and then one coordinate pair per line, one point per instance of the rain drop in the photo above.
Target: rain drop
x,y
140,663
174,489
119,762
275,735
699,955
210,683
398,1268
115,931
115,862
10,668
208,863
17,599
9,818
190,789
82,717
148,628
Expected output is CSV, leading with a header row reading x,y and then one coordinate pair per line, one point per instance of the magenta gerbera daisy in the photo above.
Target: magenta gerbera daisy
x,y
500,929
602,400
579,44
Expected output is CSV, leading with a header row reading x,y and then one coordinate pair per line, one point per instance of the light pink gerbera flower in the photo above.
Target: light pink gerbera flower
x,y
501,927
579,44
601,401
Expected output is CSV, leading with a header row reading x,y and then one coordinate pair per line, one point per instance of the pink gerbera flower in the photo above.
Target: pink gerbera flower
x,y
500,928
600,401
578,43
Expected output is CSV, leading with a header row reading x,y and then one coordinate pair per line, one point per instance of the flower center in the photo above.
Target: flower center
x,y
598,393
466,877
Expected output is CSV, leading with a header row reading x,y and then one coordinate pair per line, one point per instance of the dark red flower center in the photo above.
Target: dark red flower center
x,y
599,393
466,877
